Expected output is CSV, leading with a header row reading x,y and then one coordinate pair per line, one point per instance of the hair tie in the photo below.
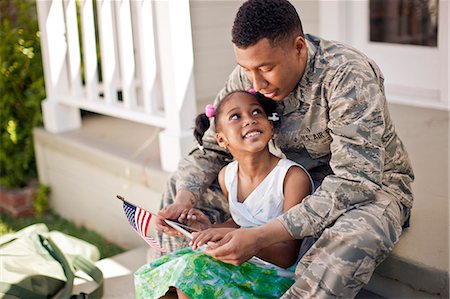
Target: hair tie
x,y
210,110
252,91
202,148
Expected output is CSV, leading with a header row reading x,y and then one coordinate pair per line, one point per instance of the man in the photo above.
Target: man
x,y
333,119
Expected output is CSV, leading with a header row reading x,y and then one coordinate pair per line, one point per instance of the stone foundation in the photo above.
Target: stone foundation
x,y
18,202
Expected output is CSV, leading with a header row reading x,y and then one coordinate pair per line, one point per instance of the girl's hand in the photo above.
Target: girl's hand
x,y
195,219
171,212
211,234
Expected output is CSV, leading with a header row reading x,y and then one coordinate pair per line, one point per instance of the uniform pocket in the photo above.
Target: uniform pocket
x,y
317,142
365,270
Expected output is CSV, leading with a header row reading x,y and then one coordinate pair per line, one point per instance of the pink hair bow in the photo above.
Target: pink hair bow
x,y
210,110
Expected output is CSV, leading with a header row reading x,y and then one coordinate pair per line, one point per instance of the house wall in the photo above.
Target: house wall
x,y
211,33
86,168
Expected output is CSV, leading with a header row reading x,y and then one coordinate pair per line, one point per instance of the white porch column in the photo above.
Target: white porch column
x,y
176,65
57,117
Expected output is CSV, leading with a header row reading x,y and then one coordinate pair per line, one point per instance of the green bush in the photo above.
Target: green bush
x,y
21,91
40,202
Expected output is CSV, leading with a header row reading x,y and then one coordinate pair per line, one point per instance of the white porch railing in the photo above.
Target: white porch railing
x,y
122,58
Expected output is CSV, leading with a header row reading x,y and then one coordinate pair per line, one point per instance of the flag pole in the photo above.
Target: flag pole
x,y
180,224
124,200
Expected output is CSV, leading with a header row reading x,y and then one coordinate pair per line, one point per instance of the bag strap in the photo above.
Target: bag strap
x,y
15,290
57,254
90,269
79,263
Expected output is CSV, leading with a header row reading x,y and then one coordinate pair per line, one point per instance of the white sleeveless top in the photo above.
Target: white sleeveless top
x,y
265,202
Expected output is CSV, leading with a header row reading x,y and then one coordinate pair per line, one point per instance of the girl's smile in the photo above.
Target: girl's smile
x,y
252,133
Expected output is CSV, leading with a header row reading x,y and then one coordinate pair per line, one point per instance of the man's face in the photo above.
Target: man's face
x,y
274,71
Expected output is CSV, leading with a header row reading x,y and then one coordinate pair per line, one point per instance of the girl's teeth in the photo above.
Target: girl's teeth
x,y
251,134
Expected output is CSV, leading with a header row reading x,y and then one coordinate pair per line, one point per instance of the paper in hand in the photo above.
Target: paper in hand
x,y
177,227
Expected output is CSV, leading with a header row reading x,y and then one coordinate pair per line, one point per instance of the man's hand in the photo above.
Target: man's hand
x,y
240,245
212,234
236,247
184,201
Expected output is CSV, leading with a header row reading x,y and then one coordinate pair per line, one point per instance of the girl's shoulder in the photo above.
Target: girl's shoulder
x,y
226,176
229,169
293,168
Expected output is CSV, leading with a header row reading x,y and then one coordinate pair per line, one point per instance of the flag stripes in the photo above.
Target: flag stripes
x,y
140,220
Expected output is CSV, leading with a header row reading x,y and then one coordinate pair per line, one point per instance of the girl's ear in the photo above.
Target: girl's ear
x,y
221,140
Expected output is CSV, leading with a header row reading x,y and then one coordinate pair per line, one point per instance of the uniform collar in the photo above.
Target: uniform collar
x,y
295,99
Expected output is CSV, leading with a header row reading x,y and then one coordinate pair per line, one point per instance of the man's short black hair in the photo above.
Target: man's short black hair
x,y
276,20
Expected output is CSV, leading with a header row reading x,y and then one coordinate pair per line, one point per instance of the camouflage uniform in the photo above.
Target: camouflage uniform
x,y
337,125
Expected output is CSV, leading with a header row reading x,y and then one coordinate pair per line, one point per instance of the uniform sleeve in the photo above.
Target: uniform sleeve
x,y
356,124
197,171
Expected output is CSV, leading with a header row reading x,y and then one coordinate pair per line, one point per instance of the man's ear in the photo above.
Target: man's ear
x,y
221,140
300,45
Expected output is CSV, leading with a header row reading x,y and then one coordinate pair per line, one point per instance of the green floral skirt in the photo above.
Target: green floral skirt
x,y
200,276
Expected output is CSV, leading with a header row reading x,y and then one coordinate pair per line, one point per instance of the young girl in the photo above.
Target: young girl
x,y
259,187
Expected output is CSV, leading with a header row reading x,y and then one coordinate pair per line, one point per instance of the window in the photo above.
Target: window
x,y
412,22
408,39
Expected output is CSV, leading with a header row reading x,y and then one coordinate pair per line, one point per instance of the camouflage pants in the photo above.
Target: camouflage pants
x,y
342,259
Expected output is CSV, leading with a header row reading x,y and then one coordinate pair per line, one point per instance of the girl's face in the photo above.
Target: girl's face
x,y
243,124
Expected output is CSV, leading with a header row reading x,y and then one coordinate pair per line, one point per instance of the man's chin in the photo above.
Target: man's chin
x,y
277,98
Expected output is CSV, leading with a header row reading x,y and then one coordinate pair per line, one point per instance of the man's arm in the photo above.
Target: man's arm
x,y
357,123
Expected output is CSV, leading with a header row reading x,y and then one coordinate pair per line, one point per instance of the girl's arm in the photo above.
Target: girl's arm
x,y
230,222
216,231
296,187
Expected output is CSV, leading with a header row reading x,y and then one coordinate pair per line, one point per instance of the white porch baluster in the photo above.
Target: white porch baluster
x,y
73,46
177,62
57,117
89,50
107,50
146,55
126,52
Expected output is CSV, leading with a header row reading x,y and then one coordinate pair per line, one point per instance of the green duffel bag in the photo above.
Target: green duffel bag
x,y
36,263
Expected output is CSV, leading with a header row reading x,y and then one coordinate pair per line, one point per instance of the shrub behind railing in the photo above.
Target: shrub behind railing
x,y
21,91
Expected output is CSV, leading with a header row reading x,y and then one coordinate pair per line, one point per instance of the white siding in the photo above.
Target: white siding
x,y
211,33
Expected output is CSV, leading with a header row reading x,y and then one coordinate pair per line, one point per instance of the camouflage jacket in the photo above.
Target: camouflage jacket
x,y
337,125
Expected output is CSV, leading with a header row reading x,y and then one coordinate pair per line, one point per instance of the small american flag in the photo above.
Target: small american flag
x,y
139,220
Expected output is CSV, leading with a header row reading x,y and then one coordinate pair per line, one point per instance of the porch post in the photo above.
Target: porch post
x,y
57,117
177,78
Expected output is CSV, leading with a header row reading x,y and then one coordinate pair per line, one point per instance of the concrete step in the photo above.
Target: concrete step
x,y
88,167
419,265
118,274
